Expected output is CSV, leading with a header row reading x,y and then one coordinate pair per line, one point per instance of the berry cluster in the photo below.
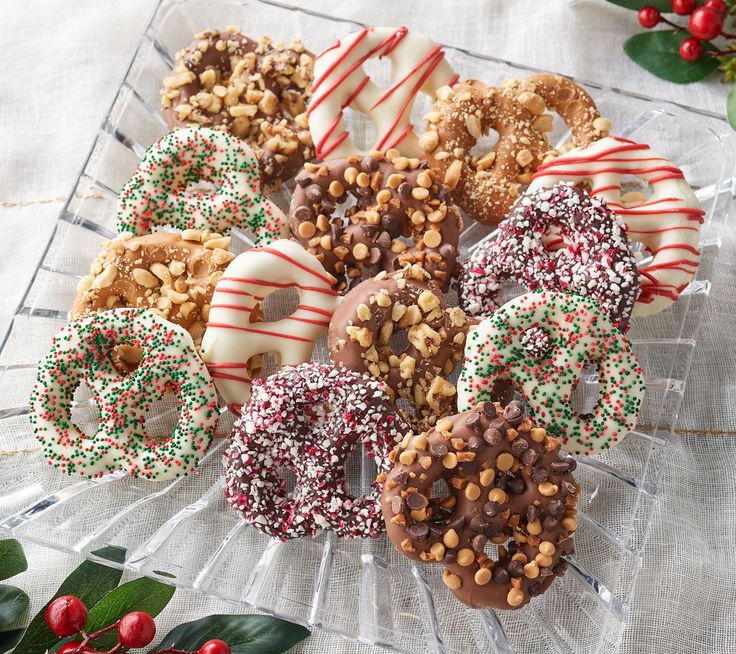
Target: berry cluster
x,y
67,615
704,23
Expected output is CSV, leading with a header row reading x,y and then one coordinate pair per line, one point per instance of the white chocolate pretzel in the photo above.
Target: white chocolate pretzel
x,y
417,64
667,223
231,339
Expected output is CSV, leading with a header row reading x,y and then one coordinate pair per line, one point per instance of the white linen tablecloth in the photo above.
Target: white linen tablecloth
x,y
62,62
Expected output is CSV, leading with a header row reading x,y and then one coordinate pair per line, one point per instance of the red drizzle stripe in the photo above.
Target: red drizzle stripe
x,y
398,36
329,280
321,323
674,173
664,229
322,154
305,307
236,307
629,146
263,282
233,291
258,331
340,59
225,375
679,246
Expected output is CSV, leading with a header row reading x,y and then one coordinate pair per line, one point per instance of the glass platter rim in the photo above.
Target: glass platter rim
x,y
165,4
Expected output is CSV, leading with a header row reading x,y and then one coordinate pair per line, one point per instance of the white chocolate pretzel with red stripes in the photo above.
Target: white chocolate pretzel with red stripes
x,y
231,339
417,64
667,223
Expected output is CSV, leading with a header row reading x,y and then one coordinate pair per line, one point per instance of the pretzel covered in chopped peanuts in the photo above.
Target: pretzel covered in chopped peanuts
x,y
255,89
486,186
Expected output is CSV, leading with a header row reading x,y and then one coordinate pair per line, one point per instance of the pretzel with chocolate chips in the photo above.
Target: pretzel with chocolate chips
x,y
486,186
255,89
362,326
506,482
403,216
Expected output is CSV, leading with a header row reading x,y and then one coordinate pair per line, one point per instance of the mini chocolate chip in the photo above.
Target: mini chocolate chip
x,y
492,436
435,533
336,230
479,542
447,251
418,531
449,557
393,224
516,569
468,468
517,486
514,413
513,547
492,530
303,214
369,164
437,449
519,446
303,180
566,546
545,572
568,489
416,501
383,240
370,230
560,569
550,522
489,410
502,481
314,192
535,589
491,508
474,422
540,474
328,205
366,193
559,467
423,164
404,190
532,513
501,575
556,508
457,523
478,524
397,504
375,256
529,457
572,463
476,444
401,478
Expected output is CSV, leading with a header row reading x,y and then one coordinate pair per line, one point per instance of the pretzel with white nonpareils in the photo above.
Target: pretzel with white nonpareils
x,y
340,82
231,338
667,223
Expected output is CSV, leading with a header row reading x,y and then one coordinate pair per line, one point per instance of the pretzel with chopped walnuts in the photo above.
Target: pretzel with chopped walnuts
x,y
486,186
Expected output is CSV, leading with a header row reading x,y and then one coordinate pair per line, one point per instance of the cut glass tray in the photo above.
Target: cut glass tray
x,y
184,533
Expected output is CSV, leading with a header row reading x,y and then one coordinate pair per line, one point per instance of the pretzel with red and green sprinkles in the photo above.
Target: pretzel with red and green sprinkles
x,y
83,353
164,188
541,341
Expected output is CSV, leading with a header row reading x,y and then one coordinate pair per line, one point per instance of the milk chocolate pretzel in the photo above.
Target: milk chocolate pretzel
x,y
362,326
486,186
506,481
398,200
255,89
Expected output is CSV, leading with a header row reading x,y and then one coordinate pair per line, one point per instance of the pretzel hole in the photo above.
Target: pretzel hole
x,y
485,144
85,413
161,417
279,305
197,188
289,477
584,396
360,471
399,341
361,128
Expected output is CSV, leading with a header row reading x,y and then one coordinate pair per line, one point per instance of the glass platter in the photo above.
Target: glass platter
x,y
183,532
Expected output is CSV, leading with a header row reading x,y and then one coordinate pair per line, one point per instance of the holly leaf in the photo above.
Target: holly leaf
x,y
12,559
13,601
731,107
245,634
90,582
142,594
659,53
664,6
8,639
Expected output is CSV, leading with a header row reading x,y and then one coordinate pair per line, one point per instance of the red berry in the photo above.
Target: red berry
x,y
214,647
719,6
70,648
705,23
684,7
66,615
136,629
690,49
648,16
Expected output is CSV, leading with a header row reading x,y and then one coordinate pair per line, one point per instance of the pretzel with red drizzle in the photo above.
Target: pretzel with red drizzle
x,y
232,338
667,223
505,481
417,64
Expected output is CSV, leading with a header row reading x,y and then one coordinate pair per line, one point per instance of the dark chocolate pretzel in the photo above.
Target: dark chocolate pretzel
x,y
506,481
402,216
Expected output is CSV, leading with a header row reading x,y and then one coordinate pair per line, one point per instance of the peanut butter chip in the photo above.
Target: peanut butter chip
x,y
432,239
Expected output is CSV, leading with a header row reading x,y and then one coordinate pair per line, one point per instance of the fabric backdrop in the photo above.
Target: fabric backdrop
x,y
61,64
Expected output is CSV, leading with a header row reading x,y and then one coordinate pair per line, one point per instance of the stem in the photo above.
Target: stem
x,y
728,35
719,53
679,28
87,637
171,650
